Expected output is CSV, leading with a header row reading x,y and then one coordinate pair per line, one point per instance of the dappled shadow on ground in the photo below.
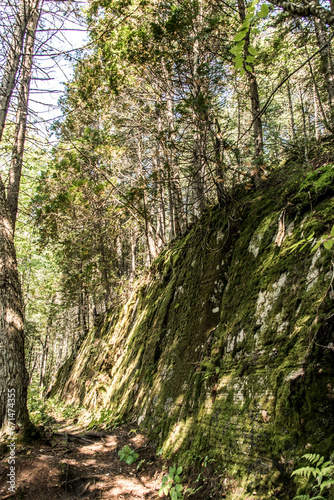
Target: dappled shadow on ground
x,y
67,466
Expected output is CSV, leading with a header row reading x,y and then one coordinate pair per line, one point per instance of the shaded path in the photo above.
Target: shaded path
x,y
67,467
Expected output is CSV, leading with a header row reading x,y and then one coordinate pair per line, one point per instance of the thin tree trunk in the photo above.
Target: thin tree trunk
x,y
119,253
292,119
304,122
21,116
255,104
45,352
328,124
13,374
133,239
326,63
316,118
177,216
12,63
199,142
104,272
219,158
159,190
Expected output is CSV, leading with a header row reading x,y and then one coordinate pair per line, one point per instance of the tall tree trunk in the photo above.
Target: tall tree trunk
x,y
149,231
255,104
328,123
218,145
13,374
104,271
316,118
159,188
134,240
45,351
176,207
119,252
12,63
326,63
199,141
304,121
292,118
22,113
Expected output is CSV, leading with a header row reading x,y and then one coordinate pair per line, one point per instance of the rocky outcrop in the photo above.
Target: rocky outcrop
x,y
226,347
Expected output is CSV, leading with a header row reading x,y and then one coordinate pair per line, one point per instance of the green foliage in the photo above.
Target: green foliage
x,y
37,407
326,240
126,454
46,411
322,473
171,484
238,50
303,242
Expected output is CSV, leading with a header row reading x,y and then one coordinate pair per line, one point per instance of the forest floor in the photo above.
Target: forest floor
x,y
73,463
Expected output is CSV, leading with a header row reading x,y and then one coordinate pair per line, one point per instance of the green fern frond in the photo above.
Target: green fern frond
x,y
305,472
313,457
326,484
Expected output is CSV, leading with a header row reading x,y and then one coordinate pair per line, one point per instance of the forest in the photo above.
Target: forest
x,y
187,159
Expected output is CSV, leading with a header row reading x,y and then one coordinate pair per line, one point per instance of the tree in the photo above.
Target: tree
x,y
13,373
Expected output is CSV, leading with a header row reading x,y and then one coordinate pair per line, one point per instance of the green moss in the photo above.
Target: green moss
x,y
218,351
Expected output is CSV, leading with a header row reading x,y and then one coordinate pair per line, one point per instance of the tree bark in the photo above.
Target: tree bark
x,y
14,377
292,118
219,160
306,9
255,104
13,374
12,63
304,121
326,63
22,113
176,207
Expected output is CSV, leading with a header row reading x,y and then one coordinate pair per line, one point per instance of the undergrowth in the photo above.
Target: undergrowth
x,y
49,412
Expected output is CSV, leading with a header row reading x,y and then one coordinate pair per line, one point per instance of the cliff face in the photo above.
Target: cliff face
x,y
225,349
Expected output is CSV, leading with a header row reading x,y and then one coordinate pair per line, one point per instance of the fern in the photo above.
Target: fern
x,y
314,458
326,484
305,472
321,470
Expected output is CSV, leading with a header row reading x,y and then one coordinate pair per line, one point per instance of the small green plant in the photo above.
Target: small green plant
x,y
326,240
322,473
171,484
207,461
127,455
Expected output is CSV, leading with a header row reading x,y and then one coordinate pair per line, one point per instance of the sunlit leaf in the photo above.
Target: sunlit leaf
x,y
234,50
252,50
264,11
239,63
328,244
240,36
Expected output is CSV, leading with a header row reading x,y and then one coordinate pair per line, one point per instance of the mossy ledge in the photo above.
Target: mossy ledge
x,y
225,348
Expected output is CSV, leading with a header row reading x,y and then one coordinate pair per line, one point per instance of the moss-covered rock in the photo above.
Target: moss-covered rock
x,y
225,348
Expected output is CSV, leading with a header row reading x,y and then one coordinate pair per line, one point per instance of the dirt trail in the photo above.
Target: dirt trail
x,y
67,467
